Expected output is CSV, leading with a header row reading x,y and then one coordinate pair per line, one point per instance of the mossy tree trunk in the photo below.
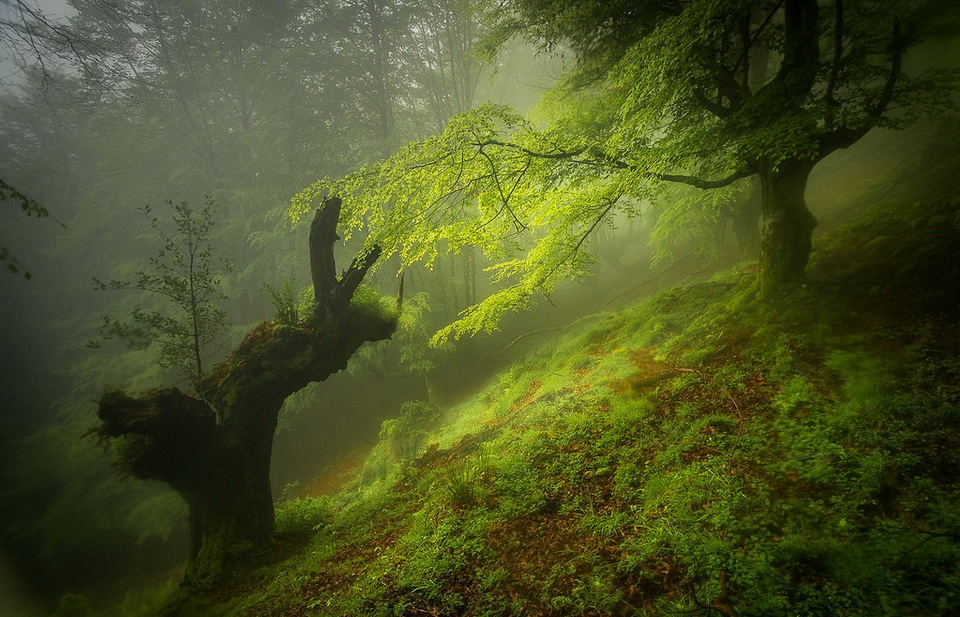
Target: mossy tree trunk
x,y
214,446
787,225
787,222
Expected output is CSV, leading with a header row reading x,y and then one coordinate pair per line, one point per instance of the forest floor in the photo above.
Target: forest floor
x,y
697,452
672,446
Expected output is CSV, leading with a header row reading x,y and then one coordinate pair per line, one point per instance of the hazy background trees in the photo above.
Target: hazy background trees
x,y
113,106
110,107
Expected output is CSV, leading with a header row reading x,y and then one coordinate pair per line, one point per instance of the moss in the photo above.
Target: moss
x,y
796,456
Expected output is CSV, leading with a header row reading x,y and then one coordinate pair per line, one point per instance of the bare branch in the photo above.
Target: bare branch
x,y
344,289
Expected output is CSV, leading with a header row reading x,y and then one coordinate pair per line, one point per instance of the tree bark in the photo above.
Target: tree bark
x,y
787,225
214,447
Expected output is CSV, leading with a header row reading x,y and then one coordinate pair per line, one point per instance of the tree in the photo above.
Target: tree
x,y
214,447
700,93
184,275
710,91
29,208
243,99
29,36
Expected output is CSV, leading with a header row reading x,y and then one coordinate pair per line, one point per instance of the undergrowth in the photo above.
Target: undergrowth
x,y
697,453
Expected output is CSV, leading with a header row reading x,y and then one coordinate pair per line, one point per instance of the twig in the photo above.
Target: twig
x,y
541,331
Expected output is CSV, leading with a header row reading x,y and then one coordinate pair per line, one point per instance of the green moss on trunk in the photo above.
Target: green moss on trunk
x,y
787,226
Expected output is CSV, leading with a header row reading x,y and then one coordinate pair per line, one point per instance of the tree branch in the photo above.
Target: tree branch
x,y
329,291
323,235
344,289
744,58
571,156
835,68
700,183
716,108
843,137
559,155
838,139
505,198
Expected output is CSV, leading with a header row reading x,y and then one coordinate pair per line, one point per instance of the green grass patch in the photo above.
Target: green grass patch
x,y
698,449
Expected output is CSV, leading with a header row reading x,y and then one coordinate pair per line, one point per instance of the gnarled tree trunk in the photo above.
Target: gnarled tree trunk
x,y
214,447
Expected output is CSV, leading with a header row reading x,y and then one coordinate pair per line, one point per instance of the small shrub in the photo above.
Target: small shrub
x,y
406,434
285,297
462,482
303,514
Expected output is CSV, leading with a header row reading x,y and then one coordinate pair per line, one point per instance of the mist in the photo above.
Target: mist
x,y
113,123
114,114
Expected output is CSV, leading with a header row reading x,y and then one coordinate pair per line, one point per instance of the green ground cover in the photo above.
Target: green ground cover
x,y
696,453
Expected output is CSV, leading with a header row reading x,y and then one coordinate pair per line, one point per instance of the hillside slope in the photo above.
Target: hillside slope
x,y
697,453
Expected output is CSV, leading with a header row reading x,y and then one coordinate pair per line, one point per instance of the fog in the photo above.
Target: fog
x,y
140,103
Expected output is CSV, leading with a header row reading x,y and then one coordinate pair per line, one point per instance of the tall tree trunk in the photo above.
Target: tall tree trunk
x,y
222,468
787,225
230,500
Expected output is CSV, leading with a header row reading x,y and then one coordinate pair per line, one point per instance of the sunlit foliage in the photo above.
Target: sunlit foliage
x,y
701,93
490,180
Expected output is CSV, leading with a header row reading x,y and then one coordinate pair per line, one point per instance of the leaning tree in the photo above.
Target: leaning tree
x,y
213,446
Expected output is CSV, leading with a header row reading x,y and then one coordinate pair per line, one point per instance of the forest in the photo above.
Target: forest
x,y
479,308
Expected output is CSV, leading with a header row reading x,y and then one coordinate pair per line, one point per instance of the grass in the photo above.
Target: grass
x,y
696,453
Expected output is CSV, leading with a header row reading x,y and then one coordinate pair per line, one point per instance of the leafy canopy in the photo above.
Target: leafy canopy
x,y
489,180
700,93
